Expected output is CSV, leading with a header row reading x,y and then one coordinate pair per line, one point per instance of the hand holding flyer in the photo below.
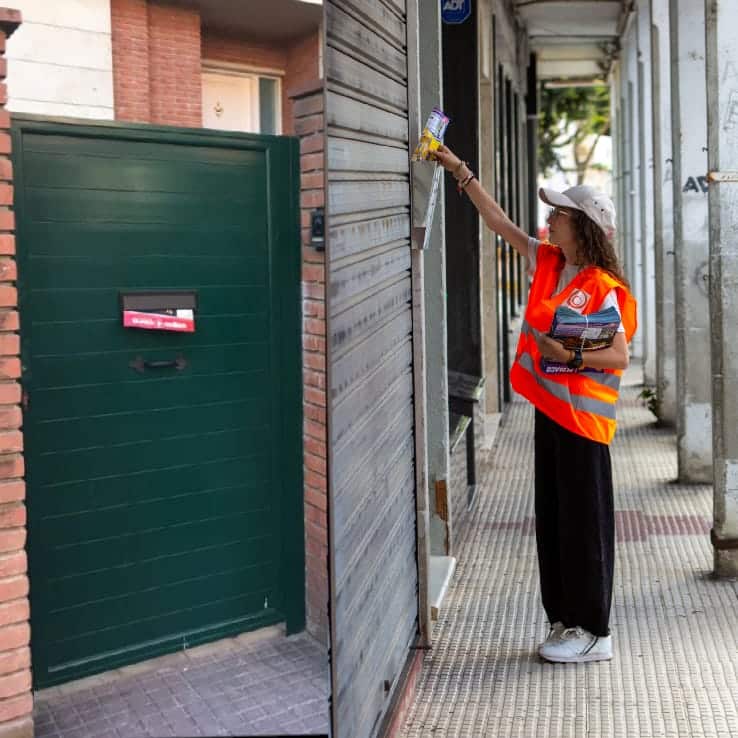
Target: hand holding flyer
x,y
432,136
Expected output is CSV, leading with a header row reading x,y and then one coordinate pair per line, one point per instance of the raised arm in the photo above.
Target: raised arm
x,y
492,214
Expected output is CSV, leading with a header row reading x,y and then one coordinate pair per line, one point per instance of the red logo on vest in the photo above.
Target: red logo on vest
x,y
578,299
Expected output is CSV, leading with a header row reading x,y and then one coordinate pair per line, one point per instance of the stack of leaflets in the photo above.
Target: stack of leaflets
x,y
587,332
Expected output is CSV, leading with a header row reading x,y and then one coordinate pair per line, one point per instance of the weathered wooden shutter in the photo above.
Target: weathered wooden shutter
x,y
370,393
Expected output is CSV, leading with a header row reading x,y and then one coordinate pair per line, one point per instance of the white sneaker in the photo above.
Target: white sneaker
x,y
575,646
554,633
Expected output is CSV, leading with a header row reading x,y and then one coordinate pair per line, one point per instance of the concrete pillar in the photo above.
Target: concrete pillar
x,y
623,176
434,289
629,217
722,136
689,131
633,245
616,112
663,213
645,191
420,29
488,264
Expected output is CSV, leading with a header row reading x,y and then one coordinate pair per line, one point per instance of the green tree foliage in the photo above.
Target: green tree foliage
x,y
572,118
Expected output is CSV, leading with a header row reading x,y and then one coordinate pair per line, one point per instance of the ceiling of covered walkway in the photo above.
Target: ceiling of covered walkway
x,y
575,40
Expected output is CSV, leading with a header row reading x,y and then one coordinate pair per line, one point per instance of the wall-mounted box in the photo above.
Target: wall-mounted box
x,y
159,311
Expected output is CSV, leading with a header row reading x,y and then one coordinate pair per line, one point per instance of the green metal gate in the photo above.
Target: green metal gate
x,y
164,469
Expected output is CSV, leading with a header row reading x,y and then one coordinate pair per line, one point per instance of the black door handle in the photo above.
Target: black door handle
x,y
141,365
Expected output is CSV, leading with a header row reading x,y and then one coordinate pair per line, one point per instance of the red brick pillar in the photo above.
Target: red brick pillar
x,y
156,62
16,702
129,23
308,122
175,65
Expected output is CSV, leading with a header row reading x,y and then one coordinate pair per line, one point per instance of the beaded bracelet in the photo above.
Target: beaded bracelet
x,y
461,185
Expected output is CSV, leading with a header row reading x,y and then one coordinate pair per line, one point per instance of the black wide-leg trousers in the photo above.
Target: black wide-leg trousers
x,y
575,526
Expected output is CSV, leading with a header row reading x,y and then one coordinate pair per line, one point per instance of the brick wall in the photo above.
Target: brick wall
x,y
301,69
234,50
175,72
158,50
156,63
297,63
16,701
308,113
130,40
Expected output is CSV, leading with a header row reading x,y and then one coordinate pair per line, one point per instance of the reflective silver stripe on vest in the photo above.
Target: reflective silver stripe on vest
x,y
561,392
604,378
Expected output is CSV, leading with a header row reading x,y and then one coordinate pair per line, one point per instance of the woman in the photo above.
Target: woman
x,y
575,412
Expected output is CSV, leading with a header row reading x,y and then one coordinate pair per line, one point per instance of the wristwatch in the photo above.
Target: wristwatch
x,y
576,361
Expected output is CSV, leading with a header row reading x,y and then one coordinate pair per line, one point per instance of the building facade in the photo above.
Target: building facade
x,y
180,134
405,315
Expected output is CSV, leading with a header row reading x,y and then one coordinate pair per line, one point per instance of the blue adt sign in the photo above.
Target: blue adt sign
x,y
455,11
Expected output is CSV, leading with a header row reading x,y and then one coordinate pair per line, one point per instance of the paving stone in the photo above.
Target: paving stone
x,y
97,725
113,705
185,728
128,730
272,704
164,731
45,730
317,724
165,700
143,707
123,721
67,718
199,708
175,713
252,713
41,717
236,724
307,709
295,727
212,728
211,690
88,703
218,703
153,721
267,726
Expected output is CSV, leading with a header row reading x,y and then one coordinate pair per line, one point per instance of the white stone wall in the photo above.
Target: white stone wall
x,y
60,60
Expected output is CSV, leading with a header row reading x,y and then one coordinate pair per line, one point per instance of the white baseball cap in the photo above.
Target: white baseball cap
x,y
593,203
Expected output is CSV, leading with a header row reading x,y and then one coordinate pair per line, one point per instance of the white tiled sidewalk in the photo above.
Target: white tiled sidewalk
x,y
675,628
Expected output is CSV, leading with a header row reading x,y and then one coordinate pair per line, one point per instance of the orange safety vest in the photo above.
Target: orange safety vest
x,y
584,401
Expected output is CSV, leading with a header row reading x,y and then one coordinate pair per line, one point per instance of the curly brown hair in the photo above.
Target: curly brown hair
x,y
594,247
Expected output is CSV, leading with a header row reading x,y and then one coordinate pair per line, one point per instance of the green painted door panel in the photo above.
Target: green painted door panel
x,y
165,505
